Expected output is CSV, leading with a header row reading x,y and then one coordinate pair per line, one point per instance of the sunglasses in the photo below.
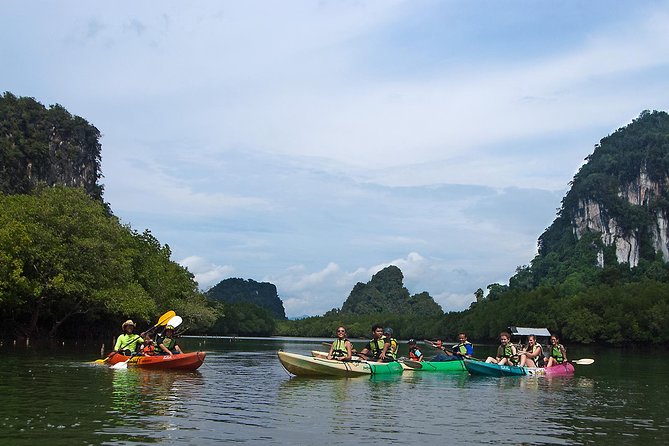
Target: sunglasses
x,y
341,331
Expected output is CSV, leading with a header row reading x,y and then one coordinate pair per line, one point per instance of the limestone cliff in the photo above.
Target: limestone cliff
x,y
619,200
47,146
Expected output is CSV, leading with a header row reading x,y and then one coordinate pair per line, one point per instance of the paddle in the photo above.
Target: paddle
x,y
161,321
326,344
413,364
584,361
175,321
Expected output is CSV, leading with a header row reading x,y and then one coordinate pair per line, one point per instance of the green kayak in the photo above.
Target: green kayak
x,y
435,366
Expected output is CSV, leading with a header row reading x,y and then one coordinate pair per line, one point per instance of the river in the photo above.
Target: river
x,y
242,394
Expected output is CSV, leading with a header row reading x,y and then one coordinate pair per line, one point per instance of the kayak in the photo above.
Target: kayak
x,y
183,361
489,369
564,369
302,365
435,366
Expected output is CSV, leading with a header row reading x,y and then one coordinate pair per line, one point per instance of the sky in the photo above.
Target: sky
x,y
312,143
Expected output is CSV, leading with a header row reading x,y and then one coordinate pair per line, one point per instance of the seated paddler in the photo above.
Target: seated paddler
x,y
341,349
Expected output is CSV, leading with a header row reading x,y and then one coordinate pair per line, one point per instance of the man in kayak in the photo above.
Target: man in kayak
x,y
127,343
558,353
341,349
506,352
376,348
167,344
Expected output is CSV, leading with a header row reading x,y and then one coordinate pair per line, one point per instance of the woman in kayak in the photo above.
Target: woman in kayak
x,y
341,349
127,343
376,348
532,355
506,352
558,353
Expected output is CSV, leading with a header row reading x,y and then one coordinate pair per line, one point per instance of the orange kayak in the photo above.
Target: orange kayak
x,y
184,361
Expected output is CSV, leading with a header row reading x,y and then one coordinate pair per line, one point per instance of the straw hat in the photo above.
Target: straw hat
x,y
126,323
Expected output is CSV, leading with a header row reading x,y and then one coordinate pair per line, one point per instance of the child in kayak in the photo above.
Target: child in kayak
x,y
341,349
558,353
148,347
506,352
414,353
391,353
532,356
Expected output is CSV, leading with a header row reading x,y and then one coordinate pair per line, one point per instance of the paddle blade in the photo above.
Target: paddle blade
x,y
584,361
326,344
165,318
175,321
120,365
413,364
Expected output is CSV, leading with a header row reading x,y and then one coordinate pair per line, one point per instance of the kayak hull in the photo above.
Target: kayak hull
x,y
301,365
183,361
489,369
435,366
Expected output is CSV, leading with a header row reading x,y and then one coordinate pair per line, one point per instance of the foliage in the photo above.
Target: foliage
x,y
67,265
244,319
385,293
262,294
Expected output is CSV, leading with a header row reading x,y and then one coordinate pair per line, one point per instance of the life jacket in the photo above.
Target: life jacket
x,y
339,348
506,351
376,347
415,354
391,353
149,350
169,344
539,359
556,352
462,348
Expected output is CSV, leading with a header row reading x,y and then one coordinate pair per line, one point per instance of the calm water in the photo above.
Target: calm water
x,y
242,394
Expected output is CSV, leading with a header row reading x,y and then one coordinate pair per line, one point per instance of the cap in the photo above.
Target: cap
x,y
388,330
411,341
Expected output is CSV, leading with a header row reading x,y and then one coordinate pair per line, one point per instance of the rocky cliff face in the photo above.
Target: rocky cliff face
x,y
40,145
592,215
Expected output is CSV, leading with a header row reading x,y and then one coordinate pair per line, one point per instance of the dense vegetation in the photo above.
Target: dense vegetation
x,y
69,268
261,294
386,293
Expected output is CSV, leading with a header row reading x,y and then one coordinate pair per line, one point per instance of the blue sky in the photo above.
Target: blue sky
x,y
312,143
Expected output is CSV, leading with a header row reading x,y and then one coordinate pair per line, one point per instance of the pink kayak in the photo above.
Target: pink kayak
x,y
564,369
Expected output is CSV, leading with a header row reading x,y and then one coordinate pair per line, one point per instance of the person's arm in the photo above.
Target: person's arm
x,y
386,346
330,352
365,351
117,346
564,353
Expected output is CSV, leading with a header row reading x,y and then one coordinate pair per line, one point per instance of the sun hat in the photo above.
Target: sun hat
x,y
126,323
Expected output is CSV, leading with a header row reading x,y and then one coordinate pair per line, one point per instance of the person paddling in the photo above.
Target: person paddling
x,y
558,353
341,349
464,348
167,344
506,352
127,343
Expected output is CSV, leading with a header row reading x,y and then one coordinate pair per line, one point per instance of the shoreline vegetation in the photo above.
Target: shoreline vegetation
x,y
71,270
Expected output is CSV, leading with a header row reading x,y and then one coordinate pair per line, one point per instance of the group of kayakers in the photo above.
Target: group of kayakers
x,y
130,344
531,355
383,348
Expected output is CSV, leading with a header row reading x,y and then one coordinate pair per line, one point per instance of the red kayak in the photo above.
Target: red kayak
x,y
183,361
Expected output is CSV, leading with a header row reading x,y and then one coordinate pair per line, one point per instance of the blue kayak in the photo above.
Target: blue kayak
x,y
489,369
